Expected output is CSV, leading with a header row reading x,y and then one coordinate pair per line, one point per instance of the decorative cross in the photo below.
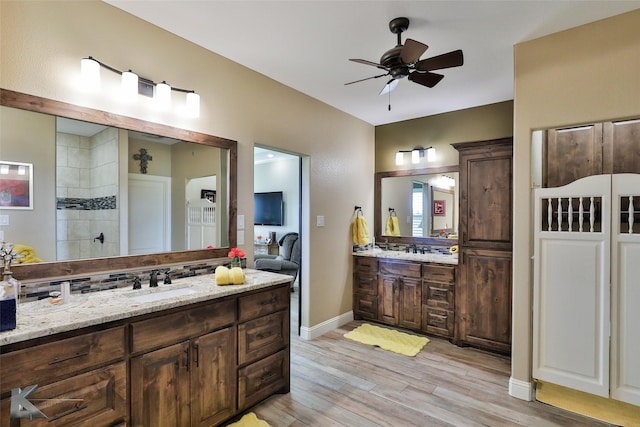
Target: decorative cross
x,y
143,157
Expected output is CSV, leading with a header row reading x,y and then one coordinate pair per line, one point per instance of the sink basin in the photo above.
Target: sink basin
x,y
160,295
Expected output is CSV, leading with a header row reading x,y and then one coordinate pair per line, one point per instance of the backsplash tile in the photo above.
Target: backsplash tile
x,y
100,282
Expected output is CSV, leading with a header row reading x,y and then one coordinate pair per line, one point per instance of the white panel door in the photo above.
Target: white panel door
x,y
571,298
625,281
149,214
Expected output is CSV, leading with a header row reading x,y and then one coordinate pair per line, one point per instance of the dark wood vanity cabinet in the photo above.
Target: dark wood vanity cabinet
x,y
197,365
365,288
408,294
438,308
483,290
400,289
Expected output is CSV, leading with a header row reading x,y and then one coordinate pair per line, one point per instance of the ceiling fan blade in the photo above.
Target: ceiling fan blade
x,y
368,78
426,79
412,50
365,62
446,60
391,85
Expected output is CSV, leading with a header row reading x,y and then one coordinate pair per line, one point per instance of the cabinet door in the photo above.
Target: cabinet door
x,y
571,154
365,306
410,302
160,387
621,153
93,399
483,299
388,299
213,379
486,195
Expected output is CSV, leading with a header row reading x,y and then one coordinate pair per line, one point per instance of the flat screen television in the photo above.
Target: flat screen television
x,y
268,208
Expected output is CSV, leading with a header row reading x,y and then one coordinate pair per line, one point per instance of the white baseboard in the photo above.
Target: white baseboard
x,y
326,326
521,389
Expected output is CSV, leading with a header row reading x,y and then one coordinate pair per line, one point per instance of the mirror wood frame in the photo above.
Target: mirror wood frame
x,y
55,269
377,201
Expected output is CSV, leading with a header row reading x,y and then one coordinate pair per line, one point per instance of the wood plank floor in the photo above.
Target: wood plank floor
x,y
339,382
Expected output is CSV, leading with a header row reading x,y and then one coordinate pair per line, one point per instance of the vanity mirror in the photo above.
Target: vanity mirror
x,y
424,203
181,164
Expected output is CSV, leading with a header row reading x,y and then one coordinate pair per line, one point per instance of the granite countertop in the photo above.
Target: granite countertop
x,y
408,256
41,318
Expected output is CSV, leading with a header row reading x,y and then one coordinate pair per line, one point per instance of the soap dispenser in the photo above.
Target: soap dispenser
x,y
9,289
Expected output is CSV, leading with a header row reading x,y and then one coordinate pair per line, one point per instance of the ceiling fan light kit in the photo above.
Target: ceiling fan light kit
x,y
404,61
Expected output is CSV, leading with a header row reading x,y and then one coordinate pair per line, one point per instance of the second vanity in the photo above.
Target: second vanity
x,y
190,353
412,291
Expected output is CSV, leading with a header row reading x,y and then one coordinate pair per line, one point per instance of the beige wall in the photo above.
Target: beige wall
x,y
491,121
589,73
28,137
41,44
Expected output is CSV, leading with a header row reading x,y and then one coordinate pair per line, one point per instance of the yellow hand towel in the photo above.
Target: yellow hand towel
x,y
392,228
360,231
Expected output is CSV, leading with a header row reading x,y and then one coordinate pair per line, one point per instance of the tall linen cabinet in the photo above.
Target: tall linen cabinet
x,y
483,290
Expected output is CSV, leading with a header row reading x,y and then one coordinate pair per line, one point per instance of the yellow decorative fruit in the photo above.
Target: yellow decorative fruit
x,y
222,275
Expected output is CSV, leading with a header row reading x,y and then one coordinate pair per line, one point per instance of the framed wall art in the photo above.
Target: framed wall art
x,y
439,207
210,195
16,185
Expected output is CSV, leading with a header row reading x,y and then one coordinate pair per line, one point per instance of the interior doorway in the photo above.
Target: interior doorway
x,y
279,172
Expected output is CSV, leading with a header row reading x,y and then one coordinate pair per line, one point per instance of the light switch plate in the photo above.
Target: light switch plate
x,y
4,219
240,222
320,221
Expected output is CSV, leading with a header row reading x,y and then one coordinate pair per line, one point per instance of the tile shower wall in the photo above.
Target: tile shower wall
x,y
86,192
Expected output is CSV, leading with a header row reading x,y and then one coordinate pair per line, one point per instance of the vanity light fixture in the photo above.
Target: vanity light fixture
x,y
416,154
134,85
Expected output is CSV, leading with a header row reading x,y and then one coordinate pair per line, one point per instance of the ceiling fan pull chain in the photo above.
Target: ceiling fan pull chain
x,y
389,100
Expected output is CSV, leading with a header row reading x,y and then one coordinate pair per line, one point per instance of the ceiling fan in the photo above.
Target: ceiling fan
x,y
404,61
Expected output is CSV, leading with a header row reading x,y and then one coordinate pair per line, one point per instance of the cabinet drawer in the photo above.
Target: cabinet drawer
x,y
43,363
437,321
365,306
365,284
365,265
261,379
438,273
101,400
256,305
406,269
171,328
262,336
435,294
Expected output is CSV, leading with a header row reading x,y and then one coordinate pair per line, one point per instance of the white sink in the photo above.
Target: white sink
x,y
161,295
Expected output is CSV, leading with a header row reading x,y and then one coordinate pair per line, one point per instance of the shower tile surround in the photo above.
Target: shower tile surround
x,y
34,291
86,195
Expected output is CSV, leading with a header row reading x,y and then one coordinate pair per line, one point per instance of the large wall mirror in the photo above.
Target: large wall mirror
x,y
417,206
112,192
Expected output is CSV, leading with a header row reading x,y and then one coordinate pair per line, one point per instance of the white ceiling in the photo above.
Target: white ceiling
x,y
306,44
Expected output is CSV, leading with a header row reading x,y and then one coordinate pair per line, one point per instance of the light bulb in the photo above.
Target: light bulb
x,y
163,96
399,158
431,154
415,156
193,104
129,85
90,74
